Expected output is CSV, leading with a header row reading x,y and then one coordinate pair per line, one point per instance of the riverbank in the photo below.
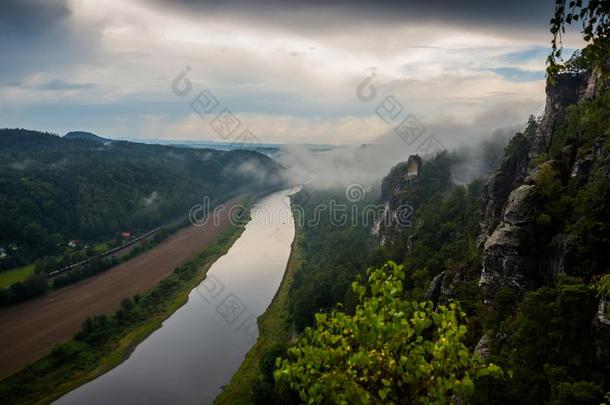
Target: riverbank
x,y
29,330
275,328
25,283
106,341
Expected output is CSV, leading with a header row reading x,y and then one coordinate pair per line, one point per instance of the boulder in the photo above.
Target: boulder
x,y
483,347
505,260
521,207
435,289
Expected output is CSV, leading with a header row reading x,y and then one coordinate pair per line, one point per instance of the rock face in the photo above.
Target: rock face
x,y
413,167
505,260
500,184
521,206
398,191
483,347
507,254
435,289
601,329
511,206
401,177
568,89
603,314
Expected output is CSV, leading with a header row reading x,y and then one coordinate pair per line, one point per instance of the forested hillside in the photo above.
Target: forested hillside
x,y
53,189
333,254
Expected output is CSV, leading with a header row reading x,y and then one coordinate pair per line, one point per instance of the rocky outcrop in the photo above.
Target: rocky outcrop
x,y
483,347
601,330
521,208
567,89
442,287
435,289
602,319
413,167
511,206
399,194
500,184
507,254
505,260
559,256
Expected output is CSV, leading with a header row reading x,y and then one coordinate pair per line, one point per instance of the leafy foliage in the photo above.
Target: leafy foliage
x,y
602,287
390,350
594,17
549,348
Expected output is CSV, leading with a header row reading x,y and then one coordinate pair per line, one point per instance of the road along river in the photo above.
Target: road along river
x,y
29,330
201,345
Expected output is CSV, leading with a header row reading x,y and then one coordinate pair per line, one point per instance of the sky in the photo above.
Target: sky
x,y
285,71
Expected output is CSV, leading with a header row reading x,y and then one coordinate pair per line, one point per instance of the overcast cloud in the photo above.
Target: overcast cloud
x,y
288,70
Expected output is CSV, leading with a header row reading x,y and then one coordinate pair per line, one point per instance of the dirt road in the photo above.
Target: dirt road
x,y
28,331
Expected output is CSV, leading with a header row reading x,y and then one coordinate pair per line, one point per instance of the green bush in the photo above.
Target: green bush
x,y
390,350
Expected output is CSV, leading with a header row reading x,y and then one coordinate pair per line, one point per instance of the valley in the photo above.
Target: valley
x,y
287,203
31,329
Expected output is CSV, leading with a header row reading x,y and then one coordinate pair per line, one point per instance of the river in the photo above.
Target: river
x,y
202,344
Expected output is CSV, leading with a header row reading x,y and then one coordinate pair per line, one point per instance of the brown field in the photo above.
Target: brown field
x,y
28,331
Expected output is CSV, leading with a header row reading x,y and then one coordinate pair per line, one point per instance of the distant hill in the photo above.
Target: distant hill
x,y
88,136
55,189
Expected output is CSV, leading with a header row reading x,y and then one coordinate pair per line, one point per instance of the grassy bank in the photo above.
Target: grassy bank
x,y
106,341
275,328
12,276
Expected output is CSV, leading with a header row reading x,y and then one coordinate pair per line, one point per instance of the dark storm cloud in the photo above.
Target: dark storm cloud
x,y
332,14
21,19
36,35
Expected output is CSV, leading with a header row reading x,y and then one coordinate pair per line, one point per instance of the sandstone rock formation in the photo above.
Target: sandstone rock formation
x,y
510,203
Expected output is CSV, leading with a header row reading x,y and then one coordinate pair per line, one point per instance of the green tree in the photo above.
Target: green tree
x,y
594,18
549,346
390,350
602,287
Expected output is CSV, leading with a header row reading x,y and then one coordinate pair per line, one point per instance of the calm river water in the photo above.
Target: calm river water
x,y
201,345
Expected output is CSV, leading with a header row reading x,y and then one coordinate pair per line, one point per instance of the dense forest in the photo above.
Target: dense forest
x,y
55,189
442,234
332,255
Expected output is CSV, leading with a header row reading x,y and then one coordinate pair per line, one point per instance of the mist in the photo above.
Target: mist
x,y
477,151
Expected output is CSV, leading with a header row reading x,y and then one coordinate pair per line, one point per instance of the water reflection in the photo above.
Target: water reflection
x,y
201,345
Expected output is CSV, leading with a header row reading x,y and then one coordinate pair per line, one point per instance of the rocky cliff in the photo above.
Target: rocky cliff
x,y
399,194
524,252
519,253
530,230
